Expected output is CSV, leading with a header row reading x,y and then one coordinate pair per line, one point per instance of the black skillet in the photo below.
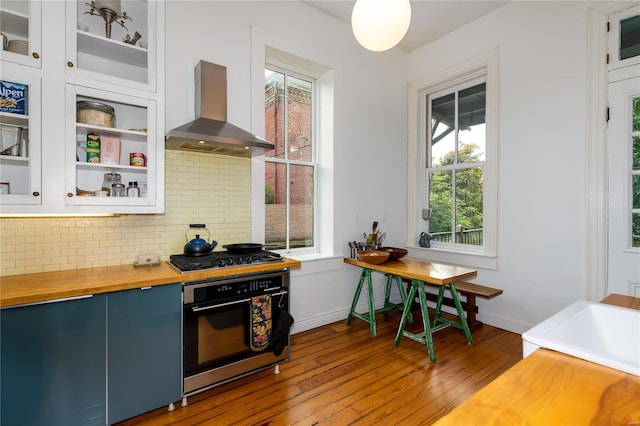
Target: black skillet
x,y
243,248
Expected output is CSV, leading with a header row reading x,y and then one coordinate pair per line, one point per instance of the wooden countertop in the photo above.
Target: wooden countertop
x,y
432,273
621,300
32,288
552,388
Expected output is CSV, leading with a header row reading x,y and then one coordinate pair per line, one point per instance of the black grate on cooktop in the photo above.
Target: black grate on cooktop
x,y
221,259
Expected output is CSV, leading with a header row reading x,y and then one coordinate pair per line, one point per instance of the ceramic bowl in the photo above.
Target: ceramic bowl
x,y
374,257
395,253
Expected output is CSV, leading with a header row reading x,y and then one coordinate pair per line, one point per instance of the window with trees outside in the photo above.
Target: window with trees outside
x,y
456,160
290,168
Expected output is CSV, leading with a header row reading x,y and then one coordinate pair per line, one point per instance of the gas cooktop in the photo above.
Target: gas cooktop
x,y
221,259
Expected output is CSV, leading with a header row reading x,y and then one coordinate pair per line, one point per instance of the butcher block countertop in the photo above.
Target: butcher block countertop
x,y
421,270
32,288
551,388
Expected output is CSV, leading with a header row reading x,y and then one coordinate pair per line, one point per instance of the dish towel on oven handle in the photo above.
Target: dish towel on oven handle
x,y
260,322
280,338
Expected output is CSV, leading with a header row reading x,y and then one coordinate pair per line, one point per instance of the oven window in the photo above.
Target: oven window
x,y
222,334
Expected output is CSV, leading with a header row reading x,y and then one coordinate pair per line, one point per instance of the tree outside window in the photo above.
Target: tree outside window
x,y
456,165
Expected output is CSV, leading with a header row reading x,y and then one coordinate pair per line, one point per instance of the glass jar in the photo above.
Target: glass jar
x,y
95,114
109,180
117,190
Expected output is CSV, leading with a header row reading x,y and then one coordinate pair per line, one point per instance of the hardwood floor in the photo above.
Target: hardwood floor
x,y
339,375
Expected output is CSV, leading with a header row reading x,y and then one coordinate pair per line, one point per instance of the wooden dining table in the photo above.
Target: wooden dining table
x,y
419,272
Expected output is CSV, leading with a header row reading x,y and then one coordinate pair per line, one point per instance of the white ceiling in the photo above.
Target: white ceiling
x,y
430,20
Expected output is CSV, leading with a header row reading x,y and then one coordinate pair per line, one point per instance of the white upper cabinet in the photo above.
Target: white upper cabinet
x,y
20,23
126,150
20,151
126,56
79,74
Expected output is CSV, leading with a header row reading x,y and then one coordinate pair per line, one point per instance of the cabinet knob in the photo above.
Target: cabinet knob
x,y
69,194
35,55
36,194
70,64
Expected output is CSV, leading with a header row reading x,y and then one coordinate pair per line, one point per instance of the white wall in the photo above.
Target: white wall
x,y
370,123
542,55
542,152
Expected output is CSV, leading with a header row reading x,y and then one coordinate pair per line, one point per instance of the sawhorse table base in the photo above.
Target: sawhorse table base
x,y
426,337
365,278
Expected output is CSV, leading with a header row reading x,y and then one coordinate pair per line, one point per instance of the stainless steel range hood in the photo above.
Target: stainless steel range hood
x,y
210,132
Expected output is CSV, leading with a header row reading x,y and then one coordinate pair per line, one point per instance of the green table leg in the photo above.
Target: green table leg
x,y
461,316
372,308
425,337
439,322
388,306
365,277
405,316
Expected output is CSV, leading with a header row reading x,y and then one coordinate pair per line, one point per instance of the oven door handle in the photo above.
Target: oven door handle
x,y
235,302
220,305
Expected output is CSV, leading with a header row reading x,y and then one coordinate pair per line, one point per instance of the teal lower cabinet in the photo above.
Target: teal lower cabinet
x,y
144,346
94,360
52,358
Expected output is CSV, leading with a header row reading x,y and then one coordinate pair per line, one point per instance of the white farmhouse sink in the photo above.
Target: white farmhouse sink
x,y
605,334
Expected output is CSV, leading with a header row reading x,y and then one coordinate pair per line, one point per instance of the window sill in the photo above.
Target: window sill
x,y
314,263
471,259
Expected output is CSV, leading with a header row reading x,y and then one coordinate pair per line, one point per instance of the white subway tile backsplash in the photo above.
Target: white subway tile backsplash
x,y
199,188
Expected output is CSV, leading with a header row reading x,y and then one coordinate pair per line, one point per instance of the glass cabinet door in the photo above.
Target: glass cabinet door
x,y
110,133
121,52
20,25
20,164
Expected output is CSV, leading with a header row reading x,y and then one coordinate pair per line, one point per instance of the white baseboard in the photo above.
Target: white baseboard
x,y
330,317
341,315
504,323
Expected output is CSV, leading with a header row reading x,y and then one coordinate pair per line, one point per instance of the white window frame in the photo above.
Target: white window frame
x,y
326,66
288,71
614,39
473,256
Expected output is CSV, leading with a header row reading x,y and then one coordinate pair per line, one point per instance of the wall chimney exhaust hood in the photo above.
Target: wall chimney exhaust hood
x,y
210,132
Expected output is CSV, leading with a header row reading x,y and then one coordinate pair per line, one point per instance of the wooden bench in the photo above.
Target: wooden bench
x,y
470,291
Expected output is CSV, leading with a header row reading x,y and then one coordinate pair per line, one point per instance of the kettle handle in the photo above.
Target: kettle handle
x,y
197,226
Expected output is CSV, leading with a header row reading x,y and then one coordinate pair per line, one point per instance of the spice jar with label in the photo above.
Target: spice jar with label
x,y
109,180
133,190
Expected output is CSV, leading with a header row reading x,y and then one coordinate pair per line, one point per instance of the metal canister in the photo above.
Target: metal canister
x,y
117,190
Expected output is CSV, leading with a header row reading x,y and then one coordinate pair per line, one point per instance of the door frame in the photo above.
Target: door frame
x,y
596,251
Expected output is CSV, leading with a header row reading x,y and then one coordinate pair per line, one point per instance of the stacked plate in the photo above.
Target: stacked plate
x,y
18,46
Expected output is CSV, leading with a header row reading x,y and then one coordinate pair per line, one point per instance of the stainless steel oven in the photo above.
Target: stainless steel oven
x,y
217,345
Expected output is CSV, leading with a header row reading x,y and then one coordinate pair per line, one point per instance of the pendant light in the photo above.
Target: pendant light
x,y
379,25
